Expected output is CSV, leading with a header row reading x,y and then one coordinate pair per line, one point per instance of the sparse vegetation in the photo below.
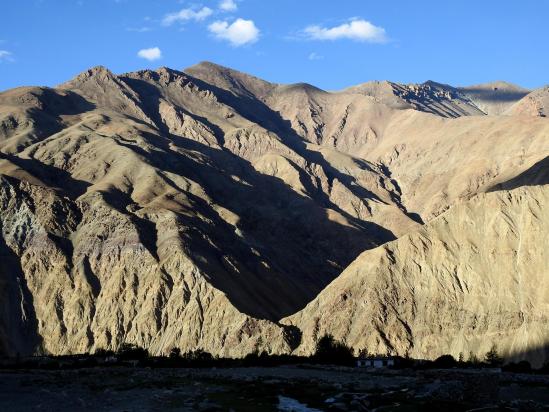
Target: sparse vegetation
x,y
130,351
492,357
445,362
175,353
104,353
473,359
330,351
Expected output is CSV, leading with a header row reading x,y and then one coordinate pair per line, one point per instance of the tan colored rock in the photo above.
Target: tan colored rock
x,y
535,103
441,161
473,277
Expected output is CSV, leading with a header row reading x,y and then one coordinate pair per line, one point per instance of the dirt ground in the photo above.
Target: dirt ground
x,y
288,388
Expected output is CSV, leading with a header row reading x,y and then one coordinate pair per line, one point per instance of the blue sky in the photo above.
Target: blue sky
x,y
331,44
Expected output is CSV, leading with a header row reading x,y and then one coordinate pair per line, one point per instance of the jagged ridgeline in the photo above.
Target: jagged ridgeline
x,y
209,209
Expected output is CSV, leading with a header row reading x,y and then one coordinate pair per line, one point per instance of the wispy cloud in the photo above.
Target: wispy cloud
x,y
315,56
139,29
356,29
154,53
185,15
238,33
6,56
228,5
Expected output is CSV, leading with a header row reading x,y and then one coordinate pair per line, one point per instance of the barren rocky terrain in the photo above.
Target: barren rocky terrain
x,y
303,389
210,209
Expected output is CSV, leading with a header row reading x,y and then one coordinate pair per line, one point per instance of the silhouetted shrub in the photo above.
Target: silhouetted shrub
x,y
256,359
103,353
175,353
129,351
473,360
199,358
363,353
445,362
492,357
198,354
330,351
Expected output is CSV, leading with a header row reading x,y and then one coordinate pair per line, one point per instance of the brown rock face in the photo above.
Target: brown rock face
x,y
473,277
197,209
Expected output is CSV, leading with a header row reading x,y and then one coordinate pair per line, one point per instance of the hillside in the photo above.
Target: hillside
x,y
198,208
474,277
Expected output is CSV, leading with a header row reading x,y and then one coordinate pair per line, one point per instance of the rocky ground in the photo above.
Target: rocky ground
x,y
271,389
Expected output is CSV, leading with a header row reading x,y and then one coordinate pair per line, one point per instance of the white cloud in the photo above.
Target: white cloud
x,y
185,15
238,33
154,53
315,56
6,56
228,5
358,30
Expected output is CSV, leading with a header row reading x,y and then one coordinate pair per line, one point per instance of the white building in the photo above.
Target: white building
x,y
376,362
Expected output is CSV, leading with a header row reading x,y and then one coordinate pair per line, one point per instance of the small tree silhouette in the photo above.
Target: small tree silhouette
x,y
175,353
492,357
129,351
198,357
101,352
473,359
330,351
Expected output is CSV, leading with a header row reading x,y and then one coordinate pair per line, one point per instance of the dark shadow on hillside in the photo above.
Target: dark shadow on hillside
x,y
537,175
58,103
500,96
146,229
53,104
537,356
285,247
18,323
303,248
290,232
277,226
49,175
256,111
150,103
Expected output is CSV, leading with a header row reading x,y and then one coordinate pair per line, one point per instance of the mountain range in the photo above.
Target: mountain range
x,y
210,209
